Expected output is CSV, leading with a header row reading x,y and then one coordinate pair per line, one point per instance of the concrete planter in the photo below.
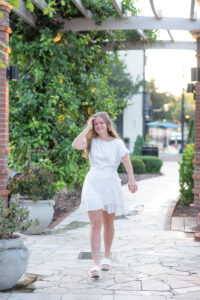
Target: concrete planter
x,y
42,210
13,262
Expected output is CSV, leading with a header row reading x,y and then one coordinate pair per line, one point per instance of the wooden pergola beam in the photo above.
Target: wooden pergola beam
x,y
25,14
170,35
192,17
157,15
118,6
133,23
41,4
141,34
181,45
86,13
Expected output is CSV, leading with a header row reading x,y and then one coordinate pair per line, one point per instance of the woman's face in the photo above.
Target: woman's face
x,y
100,126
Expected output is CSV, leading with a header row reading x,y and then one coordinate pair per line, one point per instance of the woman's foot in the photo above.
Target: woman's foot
x,y
95,272
105,264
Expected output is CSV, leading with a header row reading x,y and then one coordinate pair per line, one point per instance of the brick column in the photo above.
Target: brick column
x,y
5,30
195,207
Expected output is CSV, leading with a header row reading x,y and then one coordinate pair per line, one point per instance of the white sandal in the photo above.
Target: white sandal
x,y
105,264
95,272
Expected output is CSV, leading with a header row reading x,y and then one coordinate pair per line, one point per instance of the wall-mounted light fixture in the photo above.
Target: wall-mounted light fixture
x,y
12,73
191,88
195,74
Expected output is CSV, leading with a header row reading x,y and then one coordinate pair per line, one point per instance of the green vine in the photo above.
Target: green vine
x,y
64,78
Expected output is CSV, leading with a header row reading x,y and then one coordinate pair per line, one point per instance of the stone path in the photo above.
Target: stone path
x,y
149,261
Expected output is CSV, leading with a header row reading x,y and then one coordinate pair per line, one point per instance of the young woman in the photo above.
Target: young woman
x,y
102,193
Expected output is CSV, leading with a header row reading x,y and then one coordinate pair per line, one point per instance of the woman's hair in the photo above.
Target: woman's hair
x,y
92,133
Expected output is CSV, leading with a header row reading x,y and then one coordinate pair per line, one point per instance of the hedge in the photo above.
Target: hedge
x,y
186,170
143,164
152,164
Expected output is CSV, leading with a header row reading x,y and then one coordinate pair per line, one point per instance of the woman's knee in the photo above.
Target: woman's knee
x,y
95,220
108,226
96,224
108,221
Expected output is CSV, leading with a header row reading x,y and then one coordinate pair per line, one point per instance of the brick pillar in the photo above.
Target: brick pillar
x,y
195,207
5,30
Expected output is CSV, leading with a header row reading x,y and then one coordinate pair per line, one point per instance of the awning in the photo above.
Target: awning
x,y
162,124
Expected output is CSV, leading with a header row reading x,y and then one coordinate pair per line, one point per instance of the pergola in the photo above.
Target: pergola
x,y
86,23
124,22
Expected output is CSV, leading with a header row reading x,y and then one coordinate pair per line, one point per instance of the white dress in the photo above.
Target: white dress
x,y
102,186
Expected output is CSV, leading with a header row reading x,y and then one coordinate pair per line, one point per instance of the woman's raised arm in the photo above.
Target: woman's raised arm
x,y
80,142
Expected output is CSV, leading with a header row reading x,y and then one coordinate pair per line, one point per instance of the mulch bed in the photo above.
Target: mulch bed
x,y
67,202
181,210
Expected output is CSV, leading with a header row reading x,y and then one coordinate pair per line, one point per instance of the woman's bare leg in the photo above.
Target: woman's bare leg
x,y
95,234
108,224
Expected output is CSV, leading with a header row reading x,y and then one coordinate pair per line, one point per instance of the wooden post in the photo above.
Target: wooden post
x,y
5,30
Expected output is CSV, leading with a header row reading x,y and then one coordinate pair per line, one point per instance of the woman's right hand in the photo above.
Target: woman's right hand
x,y
90,122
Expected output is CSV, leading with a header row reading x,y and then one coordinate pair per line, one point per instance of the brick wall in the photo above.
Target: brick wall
x,y
197,147
4,101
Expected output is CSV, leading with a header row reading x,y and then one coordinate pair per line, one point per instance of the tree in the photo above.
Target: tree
x,y
158,101
121,81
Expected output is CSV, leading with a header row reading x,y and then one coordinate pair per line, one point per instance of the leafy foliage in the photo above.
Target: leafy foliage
x,y
153,164
143,164
190,138
13,218
158,101
121,81
186,170
138,166
64,78
59,87
35,184
139,143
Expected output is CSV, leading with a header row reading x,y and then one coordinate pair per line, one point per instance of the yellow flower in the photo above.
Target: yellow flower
x,y
60,119
61,103
61,80
93,90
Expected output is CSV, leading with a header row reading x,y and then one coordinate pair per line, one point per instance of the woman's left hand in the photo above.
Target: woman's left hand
x,y
132,186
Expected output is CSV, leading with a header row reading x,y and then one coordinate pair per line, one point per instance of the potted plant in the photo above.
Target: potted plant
x,y
34,189
13,252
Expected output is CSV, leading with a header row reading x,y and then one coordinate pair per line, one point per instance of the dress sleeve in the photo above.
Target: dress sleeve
x,y
122,149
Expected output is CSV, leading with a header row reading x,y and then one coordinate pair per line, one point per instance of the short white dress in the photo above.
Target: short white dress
x,y
102,186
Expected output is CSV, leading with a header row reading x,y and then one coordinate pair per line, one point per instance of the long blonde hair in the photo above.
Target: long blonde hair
x,y
92,133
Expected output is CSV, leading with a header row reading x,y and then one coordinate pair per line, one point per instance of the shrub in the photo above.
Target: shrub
x,y
139,143
13,218
186,171
138,166
152,164
190,138
35,183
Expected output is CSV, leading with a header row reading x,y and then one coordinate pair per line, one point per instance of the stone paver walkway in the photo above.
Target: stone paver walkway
x,y
149,262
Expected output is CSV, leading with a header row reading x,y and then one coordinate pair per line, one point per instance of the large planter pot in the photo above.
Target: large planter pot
x,y
13,262
42,210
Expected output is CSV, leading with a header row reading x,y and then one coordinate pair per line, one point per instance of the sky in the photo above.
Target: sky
x,y
171,69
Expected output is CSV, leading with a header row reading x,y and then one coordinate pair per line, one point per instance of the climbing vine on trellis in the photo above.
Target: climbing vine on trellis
x,y
64,78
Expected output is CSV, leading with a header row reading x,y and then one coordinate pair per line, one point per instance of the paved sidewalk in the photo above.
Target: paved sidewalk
x,y
149,262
